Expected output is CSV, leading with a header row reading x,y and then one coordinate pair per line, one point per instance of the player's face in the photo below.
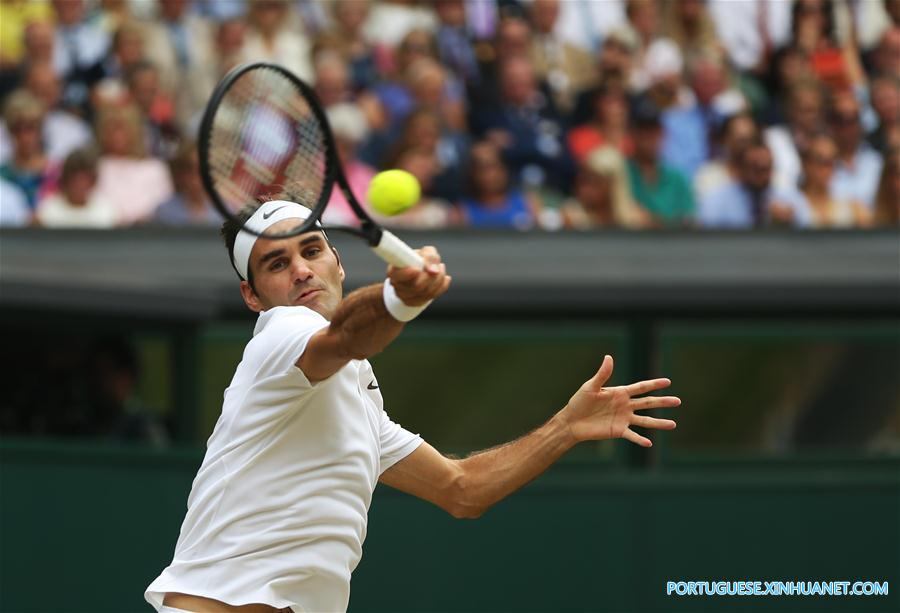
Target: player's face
x,y
296,271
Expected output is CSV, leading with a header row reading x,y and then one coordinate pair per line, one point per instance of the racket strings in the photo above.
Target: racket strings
x,y
266,141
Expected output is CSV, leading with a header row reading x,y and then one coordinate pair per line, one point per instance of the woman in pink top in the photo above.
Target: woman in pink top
x,y
133,182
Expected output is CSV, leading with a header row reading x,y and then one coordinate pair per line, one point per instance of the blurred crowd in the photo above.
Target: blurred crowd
x,y
528,114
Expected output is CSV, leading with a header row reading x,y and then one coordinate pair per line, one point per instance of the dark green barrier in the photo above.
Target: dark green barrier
x,y
86,528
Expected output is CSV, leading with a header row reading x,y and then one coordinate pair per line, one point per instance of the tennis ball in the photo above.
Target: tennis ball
x,y
393,191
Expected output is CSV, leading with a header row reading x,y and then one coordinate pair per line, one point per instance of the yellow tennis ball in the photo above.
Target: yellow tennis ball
x,y
393,191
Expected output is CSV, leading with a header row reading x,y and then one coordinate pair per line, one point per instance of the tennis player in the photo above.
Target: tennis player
x,y
277,514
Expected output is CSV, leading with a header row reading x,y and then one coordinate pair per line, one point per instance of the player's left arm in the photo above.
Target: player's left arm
x,y
467,487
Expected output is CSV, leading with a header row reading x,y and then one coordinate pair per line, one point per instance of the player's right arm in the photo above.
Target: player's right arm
x,y
362,326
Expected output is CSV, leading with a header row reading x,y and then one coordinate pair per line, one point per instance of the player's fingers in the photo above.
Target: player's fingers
x,y
603,373
431,259
401,276
654,402
644,421
637,439
642,387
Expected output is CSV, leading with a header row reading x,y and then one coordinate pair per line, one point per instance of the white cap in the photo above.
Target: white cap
x,y
265,216
663,58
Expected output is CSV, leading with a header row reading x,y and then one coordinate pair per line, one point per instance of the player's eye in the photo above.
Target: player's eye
x,y
278,264
312,252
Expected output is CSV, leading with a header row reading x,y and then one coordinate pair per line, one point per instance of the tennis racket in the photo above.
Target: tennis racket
x,y
263,134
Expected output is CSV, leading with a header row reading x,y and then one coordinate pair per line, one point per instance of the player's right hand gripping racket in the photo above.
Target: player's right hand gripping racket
x,y
264,133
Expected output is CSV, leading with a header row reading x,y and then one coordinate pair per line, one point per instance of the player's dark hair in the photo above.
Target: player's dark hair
x,y
229,233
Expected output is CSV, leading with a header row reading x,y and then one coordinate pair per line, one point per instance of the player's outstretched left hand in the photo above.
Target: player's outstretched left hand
x,y
595,412
415,286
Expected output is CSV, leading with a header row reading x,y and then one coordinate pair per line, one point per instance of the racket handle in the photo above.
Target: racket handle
x,y
394,251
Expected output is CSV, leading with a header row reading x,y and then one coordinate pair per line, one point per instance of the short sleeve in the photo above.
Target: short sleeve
x,y
395,442
281,338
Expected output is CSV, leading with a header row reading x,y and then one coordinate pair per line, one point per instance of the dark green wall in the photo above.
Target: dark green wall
x,y
85,528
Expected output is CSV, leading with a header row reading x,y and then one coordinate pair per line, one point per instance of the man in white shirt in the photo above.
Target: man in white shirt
x,y
277,513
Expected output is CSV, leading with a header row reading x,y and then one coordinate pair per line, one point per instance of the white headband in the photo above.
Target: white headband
x,y
269,213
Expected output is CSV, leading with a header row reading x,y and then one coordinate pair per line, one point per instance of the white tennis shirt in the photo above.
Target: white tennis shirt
x,y
277,512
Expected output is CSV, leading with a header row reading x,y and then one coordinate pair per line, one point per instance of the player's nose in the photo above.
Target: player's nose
x,y
300,270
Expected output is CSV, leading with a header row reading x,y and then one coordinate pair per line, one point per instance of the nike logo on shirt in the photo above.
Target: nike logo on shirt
x,y
372,385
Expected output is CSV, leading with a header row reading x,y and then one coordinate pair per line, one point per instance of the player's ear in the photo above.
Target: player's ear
x,y
340,266
250,298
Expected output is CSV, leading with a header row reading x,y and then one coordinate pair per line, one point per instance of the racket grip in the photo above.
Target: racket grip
x,y
394,251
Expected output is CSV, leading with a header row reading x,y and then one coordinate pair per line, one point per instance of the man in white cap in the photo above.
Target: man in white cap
x,y
277,513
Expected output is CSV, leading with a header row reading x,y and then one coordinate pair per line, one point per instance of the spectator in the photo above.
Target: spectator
x,y
686,141
814,31
127,51
751,30
180,45
231,35
349,17
61,131
78,51
454,47
618,56
885,94
14,210
805,118
858,166
587,23
601,196
750,200
658,187
156,107
395,93
528,129
689,25
735,133
350,128
427,128
566,68
715,96
884,56
332,82
513,39
14,18
189,205
390,21
887,198
788,67
816,195
77,204
491,201
28,167
608,125
643,17
133,182
428,213
110,14
37,39
272,39
614,65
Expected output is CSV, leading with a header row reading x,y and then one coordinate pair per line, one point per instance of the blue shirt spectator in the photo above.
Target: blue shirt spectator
x,y
857,166
750,200
528,129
